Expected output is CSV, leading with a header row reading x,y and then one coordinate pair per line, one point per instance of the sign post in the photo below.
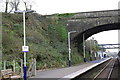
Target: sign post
x,y
24,48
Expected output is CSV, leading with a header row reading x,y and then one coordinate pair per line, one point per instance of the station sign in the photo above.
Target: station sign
x,y
25,48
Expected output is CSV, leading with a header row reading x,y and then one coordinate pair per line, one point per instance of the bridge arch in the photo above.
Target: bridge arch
x,y
78,39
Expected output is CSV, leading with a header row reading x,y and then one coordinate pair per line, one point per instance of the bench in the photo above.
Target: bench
x,y
8,73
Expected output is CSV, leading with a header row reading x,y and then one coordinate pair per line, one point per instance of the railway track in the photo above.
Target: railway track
x,y
106,71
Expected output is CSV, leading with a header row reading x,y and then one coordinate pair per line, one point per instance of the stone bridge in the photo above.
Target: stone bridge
x,y
89,23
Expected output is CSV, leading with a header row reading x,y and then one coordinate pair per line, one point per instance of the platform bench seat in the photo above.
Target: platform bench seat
x,y
8,73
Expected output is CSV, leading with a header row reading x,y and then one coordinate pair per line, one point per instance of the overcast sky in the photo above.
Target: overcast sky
x,y
68,6
71,6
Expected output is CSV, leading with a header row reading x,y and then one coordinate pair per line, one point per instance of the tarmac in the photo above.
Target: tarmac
x,y
66,72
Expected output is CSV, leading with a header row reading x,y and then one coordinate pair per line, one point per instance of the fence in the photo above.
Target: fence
x,y
17,67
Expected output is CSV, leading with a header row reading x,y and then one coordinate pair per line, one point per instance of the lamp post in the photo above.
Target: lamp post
x,y
84,48
24,48
94,44
69,49
90,50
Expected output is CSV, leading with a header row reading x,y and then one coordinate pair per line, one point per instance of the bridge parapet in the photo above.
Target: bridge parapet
x,y
94,22
97,14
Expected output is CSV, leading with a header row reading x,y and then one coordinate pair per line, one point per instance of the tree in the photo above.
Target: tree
x,y
6,6
28,4
91,45
13,5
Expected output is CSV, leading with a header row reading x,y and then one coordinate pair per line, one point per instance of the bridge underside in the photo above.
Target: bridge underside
x,y
79,38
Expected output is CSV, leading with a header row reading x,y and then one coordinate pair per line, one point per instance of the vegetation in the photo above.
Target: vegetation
x,y
91,48
46,37
92,45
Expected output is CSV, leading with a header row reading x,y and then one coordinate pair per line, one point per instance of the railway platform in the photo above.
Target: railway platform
x,y
68,72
